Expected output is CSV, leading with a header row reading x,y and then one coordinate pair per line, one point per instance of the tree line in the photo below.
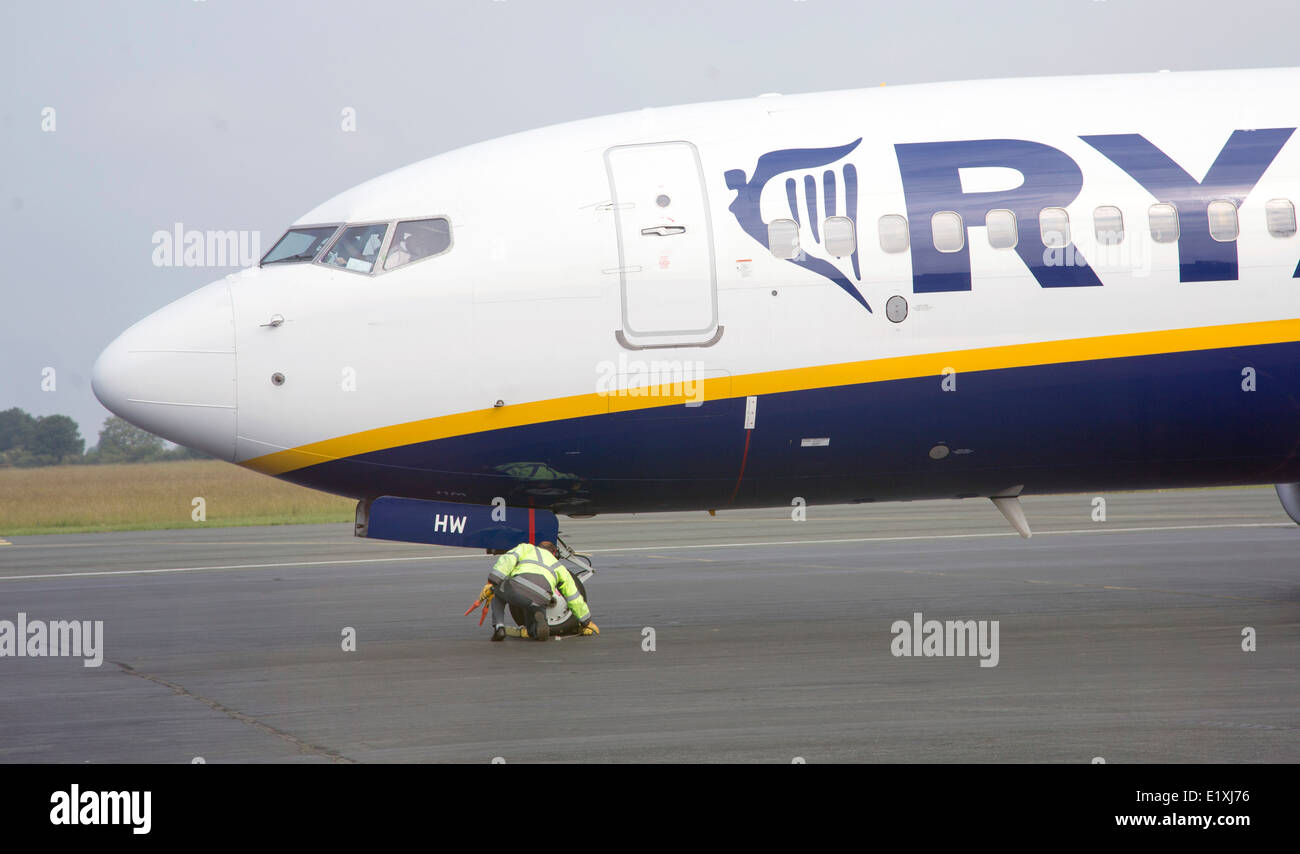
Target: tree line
x,y
28,440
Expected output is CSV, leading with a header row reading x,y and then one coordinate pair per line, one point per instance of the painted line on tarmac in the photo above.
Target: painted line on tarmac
x,y
175,569
949,536
658,548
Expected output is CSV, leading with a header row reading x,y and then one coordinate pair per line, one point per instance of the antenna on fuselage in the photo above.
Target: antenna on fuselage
x,y
1008,503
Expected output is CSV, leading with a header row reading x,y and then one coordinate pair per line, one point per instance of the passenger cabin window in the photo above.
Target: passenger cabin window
x,y
1280,214
357,248
893,233
1108,223
839,237
949,235
1054,227
1001,227
783,238
1223,220
1164,222
415,239
299,244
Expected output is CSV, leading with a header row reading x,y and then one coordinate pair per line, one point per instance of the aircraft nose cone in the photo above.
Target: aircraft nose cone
x,y
173,373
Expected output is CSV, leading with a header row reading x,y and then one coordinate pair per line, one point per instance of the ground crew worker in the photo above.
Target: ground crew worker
x,y
530,576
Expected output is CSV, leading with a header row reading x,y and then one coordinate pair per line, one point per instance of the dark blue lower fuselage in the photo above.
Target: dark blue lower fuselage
x,y
1142,422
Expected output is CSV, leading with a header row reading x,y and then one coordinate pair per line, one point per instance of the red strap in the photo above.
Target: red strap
x,y
741,476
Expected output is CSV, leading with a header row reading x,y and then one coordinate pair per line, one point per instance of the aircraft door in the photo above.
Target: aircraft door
x,y
665,241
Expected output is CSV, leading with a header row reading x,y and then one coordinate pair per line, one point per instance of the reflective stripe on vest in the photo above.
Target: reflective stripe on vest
x,y
521,579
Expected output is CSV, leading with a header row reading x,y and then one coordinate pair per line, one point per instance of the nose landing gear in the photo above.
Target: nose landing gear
x,y
566,553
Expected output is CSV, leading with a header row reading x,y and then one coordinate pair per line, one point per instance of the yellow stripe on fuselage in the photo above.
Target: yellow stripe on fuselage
x,y
776,382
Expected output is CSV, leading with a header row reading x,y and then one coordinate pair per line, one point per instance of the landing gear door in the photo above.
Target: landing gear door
x,y
665,244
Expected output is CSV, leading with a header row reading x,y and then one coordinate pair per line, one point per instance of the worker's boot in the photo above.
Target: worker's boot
x,y
542,629
499,633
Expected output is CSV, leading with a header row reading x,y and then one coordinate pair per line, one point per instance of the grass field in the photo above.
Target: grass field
x,y
75,499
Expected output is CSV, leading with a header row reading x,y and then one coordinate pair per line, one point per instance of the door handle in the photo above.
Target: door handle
x,y
663,230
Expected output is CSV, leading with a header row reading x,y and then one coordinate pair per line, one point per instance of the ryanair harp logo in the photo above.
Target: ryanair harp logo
x,y
806,196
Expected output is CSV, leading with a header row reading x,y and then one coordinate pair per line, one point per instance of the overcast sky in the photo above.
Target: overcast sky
x,y
227,114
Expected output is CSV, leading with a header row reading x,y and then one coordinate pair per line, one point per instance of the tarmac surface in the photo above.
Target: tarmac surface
x,y
1120,639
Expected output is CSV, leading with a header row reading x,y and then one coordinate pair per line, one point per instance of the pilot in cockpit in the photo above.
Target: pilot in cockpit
x,y
398,253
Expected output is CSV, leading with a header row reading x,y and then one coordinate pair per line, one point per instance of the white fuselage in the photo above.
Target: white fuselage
x,y
569,277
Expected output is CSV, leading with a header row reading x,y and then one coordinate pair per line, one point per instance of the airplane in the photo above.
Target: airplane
x,y
971,289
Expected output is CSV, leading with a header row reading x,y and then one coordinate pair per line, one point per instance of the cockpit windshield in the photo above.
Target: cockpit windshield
x,y
357,248
299,244
417,238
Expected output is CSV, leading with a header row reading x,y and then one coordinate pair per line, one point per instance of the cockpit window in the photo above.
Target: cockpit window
x,y
357,248
417,238
299,244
